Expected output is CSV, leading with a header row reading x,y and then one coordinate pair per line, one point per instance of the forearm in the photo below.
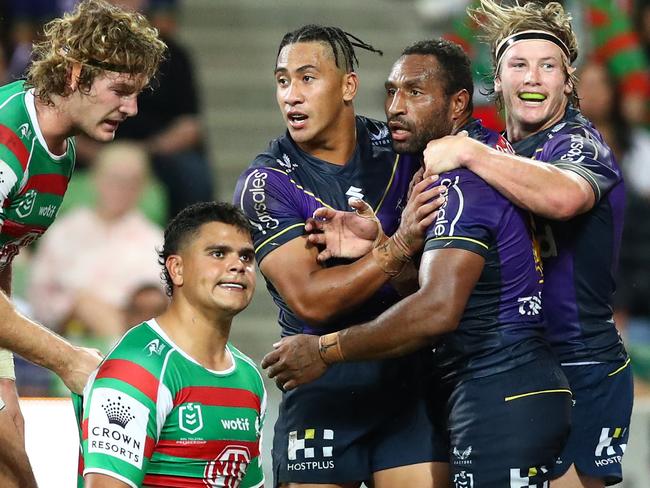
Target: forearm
x,y
31,340
413,323
331,292
538,187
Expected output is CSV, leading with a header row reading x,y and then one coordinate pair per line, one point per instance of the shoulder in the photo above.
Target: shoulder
x,y
249,370
140,350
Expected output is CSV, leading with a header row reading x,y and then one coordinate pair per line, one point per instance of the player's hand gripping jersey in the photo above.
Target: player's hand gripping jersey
x,y
152,416
32,179
580,255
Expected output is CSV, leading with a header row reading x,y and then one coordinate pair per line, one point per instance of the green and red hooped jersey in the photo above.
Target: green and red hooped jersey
x,y
152,416
32,179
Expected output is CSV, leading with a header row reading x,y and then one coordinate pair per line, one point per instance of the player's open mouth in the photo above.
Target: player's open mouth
x,y
112,123
532,97
398,131
297,120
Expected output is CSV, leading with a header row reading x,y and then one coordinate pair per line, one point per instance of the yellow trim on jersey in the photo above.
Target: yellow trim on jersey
x,y
300,187
390,182
540,392
278,234
461,239
621,368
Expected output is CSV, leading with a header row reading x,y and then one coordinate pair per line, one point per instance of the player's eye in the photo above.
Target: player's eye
x,y
415,93
308,78
217,253
391,92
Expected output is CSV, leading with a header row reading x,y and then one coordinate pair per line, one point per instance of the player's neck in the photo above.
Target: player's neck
x,y
202,337
54,125
336,145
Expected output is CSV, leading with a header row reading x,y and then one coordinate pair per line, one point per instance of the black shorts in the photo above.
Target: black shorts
x,y
356,419
600,420
507,429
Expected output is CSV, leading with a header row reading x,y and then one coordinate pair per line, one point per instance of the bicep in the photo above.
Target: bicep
x,y
447,279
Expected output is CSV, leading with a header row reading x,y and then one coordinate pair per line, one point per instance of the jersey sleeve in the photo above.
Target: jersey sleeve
x,y
119,430
273,205
470,216
583,154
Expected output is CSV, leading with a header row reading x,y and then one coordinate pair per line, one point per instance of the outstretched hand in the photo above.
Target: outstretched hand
x,y
344,234
294,361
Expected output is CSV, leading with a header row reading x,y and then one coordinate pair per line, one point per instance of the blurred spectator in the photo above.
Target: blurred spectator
x,y
92,260
601,103
605,32
168,122
146,301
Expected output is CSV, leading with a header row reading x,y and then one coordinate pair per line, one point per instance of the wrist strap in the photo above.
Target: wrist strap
x,y
7,365
329,348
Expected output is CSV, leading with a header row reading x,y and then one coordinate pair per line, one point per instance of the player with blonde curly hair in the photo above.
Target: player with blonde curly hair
x,y
567,176
85,78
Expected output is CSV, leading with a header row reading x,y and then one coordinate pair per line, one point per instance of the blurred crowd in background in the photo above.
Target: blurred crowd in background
x,y
94,274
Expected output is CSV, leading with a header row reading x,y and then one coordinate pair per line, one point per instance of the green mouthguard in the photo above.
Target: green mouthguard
x,y
532,96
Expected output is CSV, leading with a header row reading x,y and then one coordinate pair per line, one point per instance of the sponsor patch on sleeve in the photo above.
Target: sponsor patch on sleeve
x,y
117,426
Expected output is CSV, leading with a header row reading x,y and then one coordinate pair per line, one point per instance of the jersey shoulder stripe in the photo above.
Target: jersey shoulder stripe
x,y
218,396
11,141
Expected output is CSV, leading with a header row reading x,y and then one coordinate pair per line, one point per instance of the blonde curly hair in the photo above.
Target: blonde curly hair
x,y
99,37
499,22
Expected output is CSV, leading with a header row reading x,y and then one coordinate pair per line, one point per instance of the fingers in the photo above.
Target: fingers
x,y
270,359
324,255
362,208
317,239
463,133
324,213
423,185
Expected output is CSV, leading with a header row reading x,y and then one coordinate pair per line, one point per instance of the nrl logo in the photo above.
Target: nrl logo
x,y
190,418
26,206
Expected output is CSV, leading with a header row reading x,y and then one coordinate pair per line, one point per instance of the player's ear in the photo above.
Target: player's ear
x,y
458,104
73,76
497,85
174,265
350,86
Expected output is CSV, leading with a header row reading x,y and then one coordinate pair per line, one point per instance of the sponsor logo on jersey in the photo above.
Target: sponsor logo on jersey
x,y
610,448
26,205
529,477
241,423
440,226
379,134
25,131
228,468
310,450
117,425
462,457
257,191
463,480
286,163
355,192
574,154
154,347
530,305
190,418
48,211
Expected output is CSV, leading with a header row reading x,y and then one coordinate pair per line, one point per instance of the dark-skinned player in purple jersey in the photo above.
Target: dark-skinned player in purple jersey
x,y
568,177
499,390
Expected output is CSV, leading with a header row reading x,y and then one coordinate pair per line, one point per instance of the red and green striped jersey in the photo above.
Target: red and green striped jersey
x,y
152,416
32,179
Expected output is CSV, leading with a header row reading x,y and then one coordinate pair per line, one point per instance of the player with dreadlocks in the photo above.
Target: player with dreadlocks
x,y
361,421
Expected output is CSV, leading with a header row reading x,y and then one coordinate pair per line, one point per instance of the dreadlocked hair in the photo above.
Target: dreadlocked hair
x,y
342,43
499,21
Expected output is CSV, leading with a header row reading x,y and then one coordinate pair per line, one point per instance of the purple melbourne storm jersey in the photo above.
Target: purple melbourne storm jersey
x,y
580,255
284,185
502,325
